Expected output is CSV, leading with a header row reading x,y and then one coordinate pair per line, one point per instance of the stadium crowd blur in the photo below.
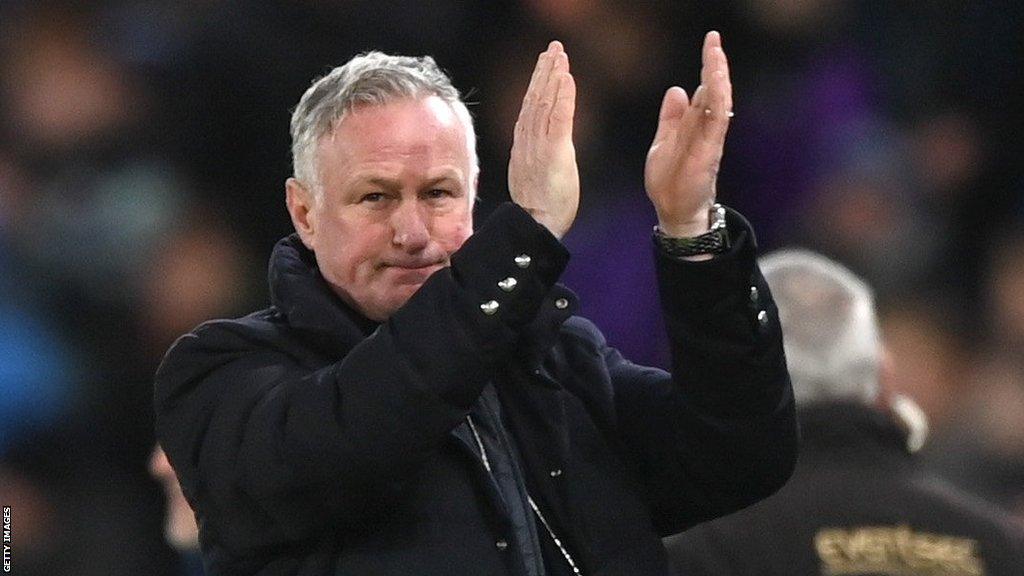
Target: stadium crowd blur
x,y
144,147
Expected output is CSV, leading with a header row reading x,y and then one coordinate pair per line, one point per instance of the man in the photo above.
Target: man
x,y
857,503
419,398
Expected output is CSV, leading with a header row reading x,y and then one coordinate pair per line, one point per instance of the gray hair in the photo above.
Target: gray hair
x,y
829,326
373,78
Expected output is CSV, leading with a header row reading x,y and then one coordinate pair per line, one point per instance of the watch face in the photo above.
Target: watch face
x,y
717,217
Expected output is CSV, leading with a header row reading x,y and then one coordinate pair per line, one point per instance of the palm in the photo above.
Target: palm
x,y
542,174
682,164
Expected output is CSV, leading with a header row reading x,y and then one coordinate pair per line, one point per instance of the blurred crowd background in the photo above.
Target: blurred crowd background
x,y
144,146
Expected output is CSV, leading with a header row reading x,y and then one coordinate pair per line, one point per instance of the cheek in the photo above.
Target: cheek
x,y
353,256
455,233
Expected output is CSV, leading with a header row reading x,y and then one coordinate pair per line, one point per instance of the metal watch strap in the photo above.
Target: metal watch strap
x,y
714,241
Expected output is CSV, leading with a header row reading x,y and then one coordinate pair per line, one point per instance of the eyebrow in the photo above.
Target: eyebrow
x,y
393,184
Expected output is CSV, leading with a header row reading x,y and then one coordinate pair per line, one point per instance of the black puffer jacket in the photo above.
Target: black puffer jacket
x,y
310,441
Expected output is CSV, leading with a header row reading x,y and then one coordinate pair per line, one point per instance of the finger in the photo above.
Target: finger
x,y
527,109
717,66
719,97
715,74
712,40
565,107
699,109
673,107
704,59
689,126
725,77
559,65
531,89
548,91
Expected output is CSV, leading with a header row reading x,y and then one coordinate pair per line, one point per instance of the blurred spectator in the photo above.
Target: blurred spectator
x,y
32,515
803,84
76,511
77,495
103,255
864,203
35,361
34,383
95,199
858,502
200,272
929,361
983,448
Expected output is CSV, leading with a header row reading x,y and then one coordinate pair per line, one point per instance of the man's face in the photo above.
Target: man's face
x,y
395,201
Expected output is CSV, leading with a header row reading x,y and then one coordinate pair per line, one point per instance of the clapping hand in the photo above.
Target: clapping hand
x,y
542,173
682,164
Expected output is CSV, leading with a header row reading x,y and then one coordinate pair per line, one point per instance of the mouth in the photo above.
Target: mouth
x,y
411,272
412,265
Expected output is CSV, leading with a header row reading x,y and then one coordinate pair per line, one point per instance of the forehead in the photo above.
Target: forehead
x,y
408,130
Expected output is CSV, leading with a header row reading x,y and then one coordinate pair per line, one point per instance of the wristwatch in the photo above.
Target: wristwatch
x,y
714,241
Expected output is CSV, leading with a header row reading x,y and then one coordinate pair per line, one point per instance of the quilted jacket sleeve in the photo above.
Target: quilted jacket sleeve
x,y
720,433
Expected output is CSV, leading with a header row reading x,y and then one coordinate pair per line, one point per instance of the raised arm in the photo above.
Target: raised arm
x,y
720,433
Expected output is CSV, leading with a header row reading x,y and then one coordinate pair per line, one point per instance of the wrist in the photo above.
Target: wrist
x,y
696,225
545,219
692,240
684,229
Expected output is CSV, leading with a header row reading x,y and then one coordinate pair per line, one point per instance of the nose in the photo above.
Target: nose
x,y
409,226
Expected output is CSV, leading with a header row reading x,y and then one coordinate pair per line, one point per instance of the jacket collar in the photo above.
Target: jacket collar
x,y
853,430
300,293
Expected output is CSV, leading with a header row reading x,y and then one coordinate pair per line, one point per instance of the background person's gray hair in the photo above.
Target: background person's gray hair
x,y
372,78
829,326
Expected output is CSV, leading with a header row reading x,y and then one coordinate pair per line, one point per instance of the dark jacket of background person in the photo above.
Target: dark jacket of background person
x,y
310,441
858,503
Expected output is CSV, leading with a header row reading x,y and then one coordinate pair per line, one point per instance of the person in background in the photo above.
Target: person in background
x,y
858,503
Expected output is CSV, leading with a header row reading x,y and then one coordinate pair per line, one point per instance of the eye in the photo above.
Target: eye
x,y
436,193
372,197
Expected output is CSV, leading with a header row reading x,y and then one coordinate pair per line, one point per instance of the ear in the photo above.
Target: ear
x,y
302,209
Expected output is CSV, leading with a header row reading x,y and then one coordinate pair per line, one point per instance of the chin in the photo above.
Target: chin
x,y
383,310
402,298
